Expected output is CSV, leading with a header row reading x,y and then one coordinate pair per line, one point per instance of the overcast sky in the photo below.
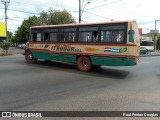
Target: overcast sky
x,y
145,12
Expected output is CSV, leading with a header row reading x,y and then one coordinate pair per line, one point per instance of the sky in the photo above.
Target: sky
x,y
145,12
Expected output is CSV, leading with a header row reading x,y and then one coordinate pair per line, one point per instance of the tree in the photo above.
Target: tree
x,y
5,46
53,17
10,34
43,18
23,31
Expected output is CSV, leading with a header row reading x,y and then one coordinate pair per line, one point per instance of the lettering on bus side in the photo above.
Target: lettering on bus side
x,y
65,48
31,45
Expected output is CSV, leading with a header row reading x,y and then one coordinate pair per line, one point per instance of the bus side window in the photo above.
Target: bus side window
x,y
71,37
68,37
34,37
117,36
106,36
85,36
53,37
95,36
46,37
38,37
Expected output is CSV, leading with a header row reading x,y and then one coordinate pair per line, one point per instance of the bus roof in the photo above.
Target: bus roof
x,y
80,24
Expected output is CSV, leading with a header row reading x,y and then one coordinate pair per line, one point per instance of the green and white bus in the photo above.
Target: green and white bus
x,y
115,43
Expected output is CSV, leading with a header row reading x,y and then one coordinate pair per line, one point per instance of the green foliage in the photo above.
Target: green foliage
x,y
4,54
23,30
51,17
10,34
5,46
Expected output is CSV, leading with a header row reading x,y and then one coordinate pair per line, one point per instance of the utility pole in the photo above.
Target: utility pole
x,y
81,9
6,3
155,35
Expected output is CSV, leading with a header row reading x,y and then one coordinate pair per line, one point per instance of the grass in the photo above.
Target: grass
x,y
4,54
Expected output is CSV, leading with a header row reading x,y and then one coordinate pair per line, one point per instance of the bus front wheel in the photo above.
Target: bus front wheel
x,y
29,58
84,63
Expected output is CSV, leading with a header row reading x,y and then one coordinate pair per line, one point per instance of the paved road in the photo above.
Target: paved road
x,y
61,87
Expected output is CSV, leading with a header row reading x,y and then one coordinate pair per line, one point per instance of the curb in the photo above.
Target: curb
x,y
149,55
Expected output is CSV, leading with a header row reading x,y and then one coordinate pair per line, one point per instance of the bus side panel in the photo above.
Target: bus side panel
x,y
96,60
113,61
55,57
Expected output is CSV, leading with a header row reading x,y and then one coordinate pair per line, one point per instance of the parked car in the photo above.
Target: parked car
x,y
143,50
22,46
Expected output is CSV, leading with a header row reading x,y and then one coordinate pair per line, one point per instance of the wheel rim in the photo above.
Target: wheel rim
x,y
30,57
84,63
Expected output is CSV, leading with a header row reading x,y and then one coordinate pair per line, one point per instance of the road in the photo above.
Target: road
x,y
61,87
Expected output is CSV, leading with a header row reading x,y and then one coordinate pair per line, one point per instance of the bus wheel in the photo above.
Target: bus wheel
x,y
84,63
29,58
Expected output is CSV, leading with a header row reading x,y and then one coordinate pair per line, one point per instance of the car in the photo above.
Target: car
x,y
143,50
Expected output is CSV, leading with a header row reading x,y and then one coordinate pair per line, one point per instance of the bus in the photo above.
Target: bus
x,y
88,45
146,46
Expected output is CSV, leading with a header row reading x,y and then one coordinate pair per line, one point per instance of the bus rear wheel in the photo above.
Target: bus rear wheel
x,y
84,63
29,58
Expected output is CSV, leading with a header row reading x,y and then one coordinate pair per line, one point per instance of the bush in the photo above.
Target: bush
x,y
5,46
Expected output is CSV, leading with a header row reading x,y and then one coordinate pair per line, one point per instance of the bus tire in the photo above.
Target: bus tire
x,y
29,58
84,63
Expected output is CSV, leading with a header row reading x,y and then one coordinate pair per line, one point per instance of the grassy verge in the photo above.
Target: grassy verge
x,y
4,54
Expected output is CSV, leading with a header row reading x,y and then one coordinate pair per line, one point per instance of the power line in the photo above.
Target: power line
x,y
14,19
22,3
97,15
24,11
15,15
104,5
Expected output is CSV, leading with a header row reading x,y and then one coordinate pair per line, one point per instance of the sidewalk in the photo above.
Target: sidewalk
x,y
1,51
14,51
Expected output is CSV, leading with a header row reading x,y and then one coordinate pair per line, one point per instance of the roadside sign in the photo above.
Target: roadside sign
x,y
154,31
2,29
